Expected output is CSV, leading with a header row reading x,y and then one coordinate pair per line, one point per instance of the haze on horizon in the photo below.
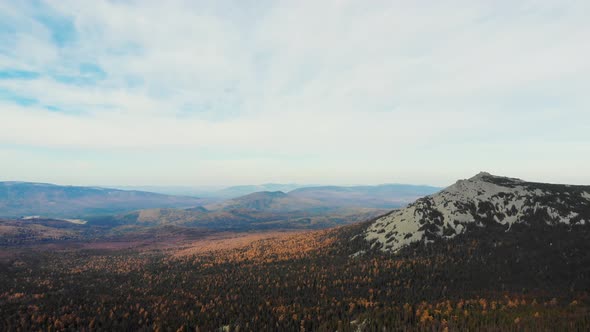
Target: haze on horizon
x,y
222,93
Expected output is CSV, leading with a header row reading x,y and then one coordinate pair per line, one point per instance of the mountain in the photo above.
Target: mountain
x,y
256,201
237,191
25,198
385,196
194,191
483,201
380,196
272,201
213,193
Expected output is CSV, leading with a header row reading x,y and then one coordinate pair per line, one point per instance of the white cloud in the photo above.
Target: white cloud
x,y
352,89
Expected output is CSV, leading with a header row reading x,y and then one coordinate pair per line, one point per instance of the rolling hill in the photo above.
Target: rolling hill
x,y
306,208
26,198
237,219
238,191
271,201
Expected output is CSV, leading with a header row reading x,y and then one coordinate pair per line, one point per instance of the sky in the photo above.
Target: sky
x,y
199,93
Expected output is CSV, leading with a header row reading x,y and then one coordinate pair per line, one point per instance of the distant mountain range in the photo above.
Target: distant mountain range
x,y
114,211
26,198
314,207
383,195
215,192
261,210
387,196
47,200
237,191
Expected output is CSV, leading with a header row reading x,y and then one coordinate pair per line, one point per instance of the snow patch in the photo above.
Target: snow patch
x,y
358,253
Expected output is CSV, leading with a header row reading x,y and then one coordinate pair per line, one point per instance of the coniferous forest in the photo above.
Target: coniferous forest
x,y
529,279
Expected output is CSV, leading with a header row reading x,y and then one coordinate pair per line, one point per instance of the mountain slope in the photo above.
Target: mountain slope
x,y
270,201
481,201
237,219
25,198
35,230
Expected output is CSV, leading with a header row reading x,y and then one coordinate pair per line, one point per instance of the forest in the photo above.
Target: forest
x,y
310,281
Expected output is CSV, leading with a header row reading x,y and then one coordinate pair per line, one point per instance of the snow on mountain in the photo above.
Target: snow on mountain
x,y
483,200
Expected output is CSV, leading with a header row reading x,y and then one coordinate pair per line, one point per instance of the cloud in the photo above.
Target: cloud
x,y
338,85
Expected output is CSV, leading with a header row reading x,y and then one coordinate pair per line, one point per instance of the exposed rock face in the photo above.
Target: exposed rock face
x,y
481,201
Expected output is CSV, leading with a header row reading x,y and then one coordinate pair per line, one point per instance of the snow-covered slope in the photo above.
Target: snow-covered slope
x,y
483,200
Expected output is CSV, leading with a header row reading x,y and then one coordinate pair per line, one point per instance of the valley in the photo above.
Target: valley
x,y
527,270
32,212
294,166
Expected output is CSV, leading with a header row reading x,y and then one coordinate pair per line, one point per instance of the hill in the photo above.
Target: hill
x,y
236,219
237,191
308,208
271,201
36,230
25,198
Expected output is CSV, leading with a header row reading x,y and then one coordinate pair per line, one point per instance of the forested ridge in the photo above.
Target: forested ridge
x,y
531,278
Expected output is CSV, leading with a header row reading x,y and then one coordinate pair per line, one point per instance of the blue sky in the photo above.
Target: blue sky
x,y
341,92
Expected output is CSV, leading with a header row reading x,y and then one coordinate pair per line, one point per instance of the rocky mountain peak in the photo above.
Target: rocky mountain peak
x,y
480,201
481,175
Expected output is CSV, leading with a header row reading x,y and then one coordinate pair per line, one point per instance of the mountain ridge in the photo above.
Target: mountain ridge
x,y
51,200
